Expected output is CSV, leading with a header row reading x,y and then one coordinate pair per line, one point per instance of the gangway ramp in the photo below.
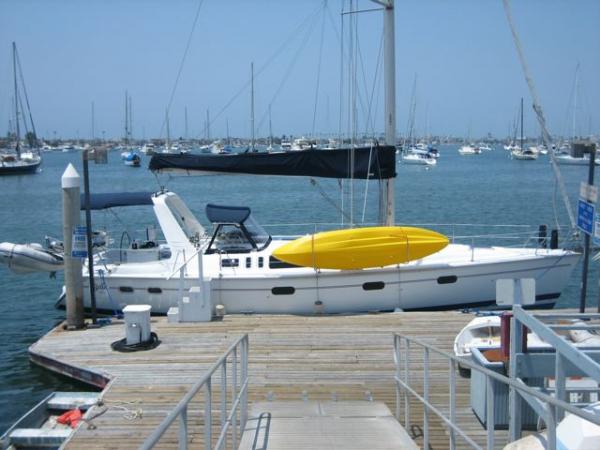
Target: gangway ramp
x,y
323,425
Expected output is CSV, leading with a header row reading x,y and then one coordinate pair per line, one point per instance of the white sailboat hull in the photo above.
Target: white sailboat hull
x,y
449,279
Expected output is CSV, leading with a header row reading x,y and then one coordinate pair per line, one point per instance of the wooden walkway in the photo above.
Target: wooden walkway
x,y
291,358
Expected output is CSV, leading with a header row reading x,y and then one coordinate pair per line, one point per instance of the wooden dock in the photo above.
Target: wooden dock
x,y
317,358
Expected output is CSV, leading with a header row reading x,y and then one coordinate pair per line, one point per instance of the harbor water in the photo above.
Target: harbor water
x,y
480,192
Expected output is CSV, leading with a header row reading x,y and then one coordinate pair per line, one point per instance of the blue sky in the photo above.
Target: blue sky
x,y
461,51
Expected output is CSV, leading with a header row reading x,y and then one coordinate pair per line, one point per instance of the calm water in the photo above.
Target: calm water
x,y
485,189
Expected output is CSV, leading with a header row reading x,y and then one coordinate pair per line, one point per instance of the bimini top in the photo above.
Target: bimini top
x,y
117,199
227,214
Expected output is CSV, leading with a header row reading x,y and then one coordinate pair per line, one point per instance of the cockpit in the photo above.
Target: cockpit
x,y
235,230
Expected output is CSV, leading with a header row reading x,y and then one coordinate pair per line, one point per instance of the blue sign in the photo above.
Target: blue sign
x,y
585,217
596,237
79,247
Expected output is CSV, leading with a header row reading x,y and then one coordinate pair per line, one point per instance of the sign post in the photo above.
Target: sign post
x,y
585,222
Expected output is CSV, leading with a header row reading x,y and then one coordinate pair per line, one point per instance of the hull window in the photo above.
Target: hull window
x,y
373,286
283,290
448,279
260,261
125,289
275,263
248,263
155,290
230,262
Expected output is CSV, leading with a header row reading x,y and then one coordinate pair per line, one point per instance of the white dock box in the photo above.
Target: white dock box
x,y
137,323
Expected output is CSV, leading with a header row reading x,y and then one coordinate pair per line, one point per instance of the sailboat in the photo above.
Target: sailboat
x,y
20,162
236,266
522,153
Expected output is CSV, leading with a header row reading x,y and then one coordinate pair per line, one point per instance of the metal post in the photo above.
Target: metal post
x,y
397,343
88,225
559,381
70,183
551,427
208,415
514,410
223,393
586,245
426,397
406,382
183,431
244,376
233,395
490,419
452,403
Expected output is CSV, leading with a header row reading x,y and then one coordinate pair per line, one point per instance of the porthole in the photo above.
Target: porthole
x,y
125,289
448,279
155,290
373,286
283,290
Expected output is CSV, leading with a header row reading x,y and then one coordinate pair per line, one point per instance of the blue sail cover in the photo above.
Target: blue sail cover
x,y
378,162
117,199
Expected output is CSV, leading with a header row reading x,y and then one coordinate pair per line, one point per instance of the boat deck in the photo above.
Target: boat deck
x,y
307,358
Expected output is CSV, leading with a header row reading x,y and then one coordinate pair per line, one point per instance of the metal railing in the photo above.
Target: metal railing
x,y
549,408
237,356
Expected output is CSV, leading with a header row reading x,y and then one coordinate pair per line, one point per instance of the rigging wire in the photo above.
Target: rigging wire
x,y
181,64
26,96
308,21
319,70
540,116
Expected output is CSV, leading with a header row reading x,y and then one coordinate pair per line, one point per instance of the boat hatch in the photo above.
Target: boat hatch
x,y
236,231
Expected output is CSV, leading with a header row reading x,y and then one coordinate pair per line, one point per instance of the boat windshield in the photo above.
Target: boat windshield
x,y
236,231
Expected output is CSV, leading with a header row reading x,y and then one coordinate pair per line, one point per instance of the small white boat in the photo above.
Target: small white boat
x,y
27,258
566,159
46,425
524,155
418,157
469,150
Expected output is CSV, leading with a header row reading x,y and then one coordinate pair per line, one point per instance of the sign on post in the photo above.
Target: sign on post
x,y
585,217
588,192
596,237
79,248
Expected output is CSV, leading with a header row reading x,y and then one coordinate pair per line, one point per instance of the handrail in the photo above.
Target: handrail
x,y
239,395
403,382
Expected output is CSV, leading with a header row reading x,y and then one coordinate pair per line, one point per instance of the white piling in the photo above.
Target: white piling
x,y
70,183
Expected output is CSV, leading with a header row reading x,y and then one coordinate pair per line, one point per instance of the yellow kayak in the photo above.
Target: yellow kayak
x,y
361,248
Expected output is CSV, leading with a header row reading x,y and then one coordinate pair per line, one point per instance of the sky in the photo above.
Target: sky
x,y
468,78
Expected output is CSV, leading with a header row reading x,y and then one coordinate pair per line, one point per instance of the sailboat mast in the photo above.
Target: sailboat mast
x,y
18,130
270,129
168,146
208,125
522,124
126,118
389,52
93,122
252,105
186,124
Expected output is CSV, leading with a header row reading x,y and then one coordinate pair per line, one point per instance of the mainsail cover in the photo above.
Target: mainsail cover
x,y
377,162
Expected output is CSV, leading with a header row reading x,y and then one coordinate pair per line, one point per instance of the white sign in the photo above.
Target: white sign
x,y
510,291
79,247
588,192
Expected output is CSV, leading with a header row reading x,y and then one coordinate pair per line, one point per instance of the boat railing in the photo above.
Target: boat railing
x,y
232,419
566,360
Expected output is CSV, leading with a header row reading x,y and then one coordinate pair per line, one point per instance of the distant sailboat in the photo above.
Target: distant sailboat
x,y
522,153
20,162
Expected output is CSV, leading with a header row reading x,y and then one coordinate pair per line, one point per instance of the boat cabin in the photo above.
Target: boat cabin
x,y
235,230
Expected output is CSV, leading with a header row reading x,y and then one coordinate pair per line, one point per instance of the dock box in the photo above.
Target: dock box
x,y
479,395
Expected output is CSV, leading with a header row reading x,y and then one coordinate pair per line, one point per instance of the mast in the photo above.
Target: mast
x,y
186,124
522,148
207,124
93,130
18,131
126,119
389,51
575,103
167,146
227,125
252,105
270,129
